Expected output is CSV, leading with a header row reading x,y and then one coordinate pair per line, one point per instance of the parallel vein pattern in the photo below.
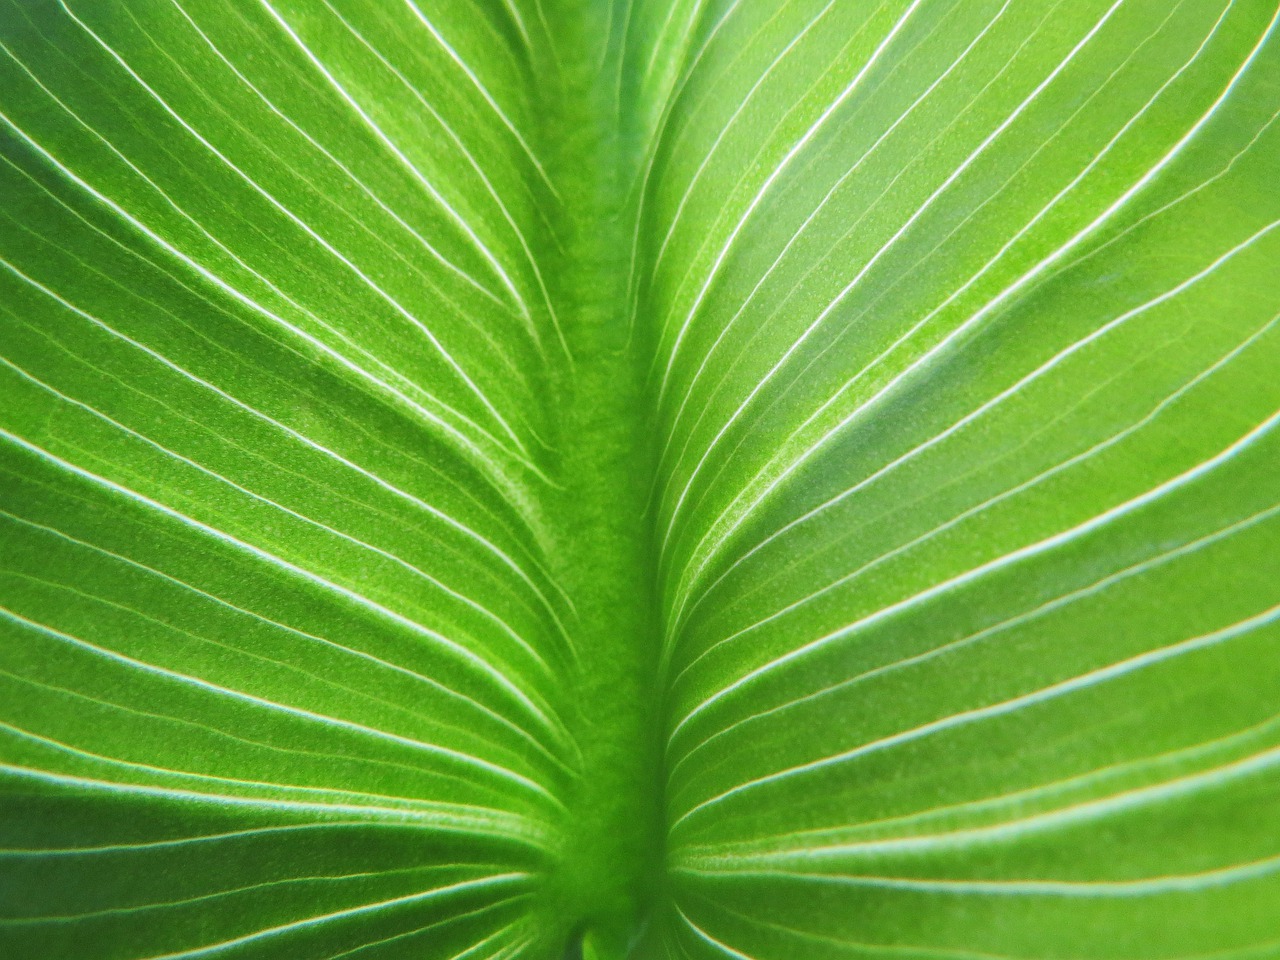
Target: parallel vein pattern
x,y
755,479
967,497
283,658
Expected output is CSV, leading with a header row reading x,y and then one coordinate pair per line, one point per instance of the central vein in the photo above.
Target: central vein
x,y
611,865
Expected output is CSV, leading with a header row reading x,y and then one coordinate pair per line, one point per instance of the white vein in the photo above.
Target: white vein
x,y
777,172
379,611
1005,707
1014,557
961,329
364,278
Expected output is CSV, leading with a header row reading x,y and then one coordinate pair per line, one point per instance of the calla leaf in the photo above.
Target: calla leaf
x,y
655,479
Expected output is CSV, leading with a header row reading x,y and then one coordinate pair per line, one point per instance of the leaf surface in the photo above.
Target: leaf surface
x,y
661,479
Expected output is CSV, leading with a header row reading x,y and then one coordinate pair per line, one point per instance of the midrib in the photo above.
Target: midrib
x,y
612,859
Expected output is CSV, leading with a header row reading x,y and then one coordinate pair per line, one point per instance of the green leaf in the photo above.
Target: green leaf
x,y
689,479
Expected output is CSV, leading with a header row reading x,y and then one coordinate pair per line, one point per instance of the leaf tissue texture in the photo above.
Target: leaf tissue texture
x,y
654,479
